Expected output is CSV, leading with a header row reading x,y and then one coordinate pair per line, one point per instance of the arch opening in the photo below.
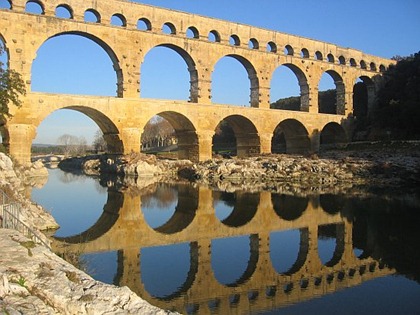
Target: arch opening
x,y
236,134
34,7
318,56
163,74
363,104
289,89
291,137
234,40
214,36
288,207
192,32
92,16
230,82
5,4
159,137
64,11
332,136
288,50
271,47
118,20
168,29
253,44
331,94
144,24
93,70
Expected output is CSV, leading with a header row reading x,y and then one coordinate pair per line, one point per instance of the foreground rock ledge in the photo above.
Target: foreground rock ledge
x,y
34,280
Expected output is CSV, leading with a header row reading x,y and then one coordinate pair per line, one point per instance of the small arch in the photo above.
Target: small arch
x,y
144,24
5,4
373,66
168,28
318,56
35,7
119,20
295,137
253,44
192,32
64,11
363,64
341,60
214,36
304,53
382,68
234,40
333,134
288,50
271,47
353,62
330,58
93,16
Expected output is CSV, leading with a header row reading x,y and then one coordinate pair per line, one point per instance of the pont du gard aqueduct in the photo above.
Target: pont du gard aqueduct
x,y
201,42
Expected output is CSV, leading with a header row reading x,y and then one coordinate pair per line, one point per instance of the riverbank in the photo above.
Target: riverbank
x,y
33,280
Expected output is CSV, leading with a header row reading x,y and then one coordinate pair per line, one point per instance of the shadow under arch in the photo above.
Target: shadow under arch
x,y
333,134
295,135
109,51
105,222
191,66
186,285
185,211
289,207
246,134
186,134
252,76
340,91
303,84
245,206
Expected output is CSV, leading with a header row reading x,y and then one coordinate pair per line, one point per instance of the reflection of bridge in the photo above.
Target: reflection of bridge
x,y
256,215
122,119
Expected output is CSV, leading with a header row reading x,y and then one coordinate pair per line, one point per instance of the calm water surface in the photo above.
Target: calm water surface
x,y
198,251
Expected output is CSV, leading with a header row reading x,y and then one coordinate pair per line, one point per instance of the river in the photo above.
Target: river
x,y
188,248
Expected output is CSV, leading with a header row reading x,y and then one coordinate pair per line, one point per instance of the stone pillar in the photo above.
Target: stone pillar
x,y
348,98
313,262
265,142
205,145
315,138
313,82
20,142
202,85
131,139
114,143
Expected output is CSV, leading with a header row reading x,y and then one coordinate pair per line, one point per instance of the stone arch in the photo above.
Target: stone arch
x,y
271,47
363,64
109,51
254,44
333,134
191,66
118,19
6,4
318,56
214,36
295,136
364,97
40,7
185,211
339,106
373,66
382,68
246,134
186,134
330,58
342,60
95,14
169,28
144,24
353,62
245,206
304,53
289,207
234,40
65,8
288,50
192,32
303,87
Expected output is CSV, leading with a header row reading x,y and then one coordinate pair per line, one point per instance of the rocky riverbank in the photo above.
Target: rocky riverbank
x,y
33,280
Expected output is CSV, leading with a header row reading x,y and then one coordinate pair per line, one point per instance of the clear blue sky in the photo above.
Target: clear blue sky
x,y
379,27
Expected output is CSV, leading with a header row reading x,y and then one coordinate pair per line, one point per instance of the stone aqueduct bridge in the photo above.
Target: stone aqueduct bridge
x,y
123,228
123,118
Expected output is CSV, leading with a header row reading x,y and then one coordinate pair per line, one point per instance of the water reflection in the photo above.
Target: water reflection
x,y
194,250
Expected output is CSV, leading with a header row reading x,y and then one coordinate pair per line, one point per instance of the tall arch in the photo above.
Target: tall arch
x,y
246,135
295,136
191,66
252,77
115,64
299,103
334,103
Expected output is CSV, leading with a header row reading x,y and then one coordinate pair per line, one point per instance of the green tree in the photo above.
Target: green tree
x,y
11,87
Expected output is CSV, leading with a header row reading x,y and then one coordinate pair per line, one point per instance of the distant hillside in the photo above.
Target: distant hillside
x,y
327,100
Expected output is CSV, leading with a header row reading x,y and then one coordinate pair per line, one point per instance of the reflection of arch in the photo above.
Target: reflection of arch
x,y
246,134
184,211
295,135
185,133
289,207
339,107
107,49
332,204
333,133
246,205
252,75
105,222
333,231
190,276
191,68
